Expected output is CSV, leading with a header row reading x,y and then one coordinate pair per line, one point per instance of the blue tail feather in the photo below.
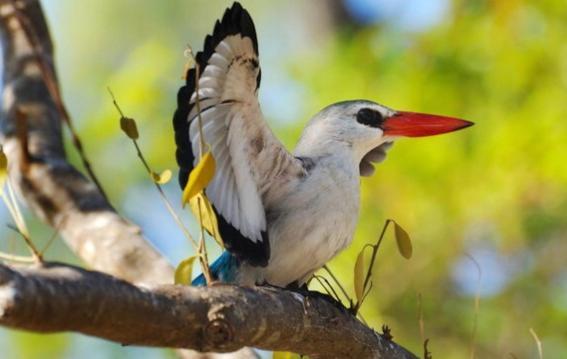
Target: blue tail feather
x,y
223,269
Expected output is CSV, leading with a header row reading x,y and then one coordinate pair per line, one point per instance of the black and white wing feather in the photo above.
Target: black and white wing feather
x,y
245,149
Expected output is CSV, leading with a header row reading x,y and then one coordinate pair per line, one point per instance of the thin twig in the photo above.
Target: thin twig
x,y
164,198
15,212
374,252
162,194
324,282
36,254
366,293
335,279
51,239
375,248
203,257
114,102
16,258
426,352
323,285
538,343
12,205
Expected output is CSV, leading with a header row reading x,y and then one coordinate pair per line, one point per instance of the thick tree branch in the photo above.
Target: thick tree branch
x,y
57,297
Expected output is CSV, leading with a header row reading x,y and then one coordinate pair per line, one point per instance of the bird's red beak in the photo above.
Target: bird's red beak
x,y
412,124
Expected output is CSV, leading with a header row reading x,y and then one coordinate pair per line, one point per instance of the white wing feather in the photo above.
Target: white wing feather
x,y
231,119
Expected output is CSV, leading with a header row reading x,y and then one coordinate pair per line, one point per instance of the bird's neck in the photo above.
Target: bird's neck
x,y
320,140
329,151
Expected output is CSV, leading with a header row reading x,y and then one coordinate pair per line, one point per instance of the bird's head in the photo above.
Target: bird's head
x,y
364,126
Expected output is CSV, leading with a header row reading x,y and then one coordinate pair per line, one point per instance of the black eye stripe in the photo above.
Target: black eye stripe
x,y
369,117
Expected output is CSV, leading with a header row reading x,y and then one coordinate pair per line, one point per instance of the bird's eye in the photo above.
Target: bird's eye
x,y
369,117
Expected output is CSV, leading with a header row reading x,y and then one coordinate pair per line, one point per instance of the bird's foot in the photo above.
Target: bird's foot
x,y
306,293
304,290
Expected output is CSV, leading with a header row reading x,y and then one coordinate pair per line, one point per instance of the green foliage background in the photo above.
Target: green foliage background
x,y
496,192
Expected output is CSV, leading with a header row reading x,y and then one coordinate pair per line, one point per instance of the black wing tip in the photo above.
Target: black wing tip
x,y
256,254
236,20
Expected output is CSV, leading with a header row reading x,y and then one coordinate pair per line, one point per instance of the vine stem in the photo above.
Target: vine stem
x,y
162,194
375,248
203,257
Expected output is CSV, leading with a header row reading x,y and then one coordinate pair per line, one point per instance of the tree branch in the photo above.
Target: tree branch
x,y
58,297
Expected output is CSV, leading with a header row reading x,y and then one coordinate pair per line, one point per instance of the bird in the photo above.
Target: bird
x,y
281,215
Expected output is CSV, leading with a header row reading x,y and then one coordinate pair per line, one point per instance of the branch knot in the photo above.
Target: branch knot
x,y
218,333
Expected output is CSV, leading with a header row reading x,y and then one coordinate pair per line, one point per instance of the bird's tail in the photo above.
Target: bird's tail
x,y
223,269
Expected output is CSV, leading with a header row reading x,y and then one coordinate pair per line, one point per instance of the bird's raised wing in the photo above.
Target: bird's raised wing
x,y
247,154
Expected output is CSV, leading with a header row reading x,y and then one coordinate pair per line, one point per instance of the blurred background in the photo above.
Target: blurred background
x,y
496,193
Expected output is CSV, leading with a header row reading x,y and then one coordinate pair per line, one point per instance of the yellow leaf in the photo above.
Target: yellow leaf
x,y
188,66
359,276
184,271
403,240
162,178
284,355
3,166
128,125
208,218
200,177
188,53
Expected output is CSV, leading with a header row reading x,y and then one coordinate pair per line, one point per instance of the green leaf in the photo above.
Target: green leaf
x,y
162,178
359,276
200,177
403,240
128,125
184,271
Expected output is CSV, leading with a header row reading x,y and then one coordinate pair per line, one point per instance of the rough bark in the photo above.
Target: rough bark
x,y
57,297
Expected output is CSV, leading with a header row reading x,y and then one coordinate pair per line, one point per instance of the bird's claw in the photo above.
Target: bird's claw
x,y
303,290
306,293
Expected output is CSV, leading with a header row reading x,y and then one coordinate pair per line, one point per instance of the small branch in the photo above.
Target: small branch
x,y
367,280
338,283
36,255
54,297
374,252
538,343
162,194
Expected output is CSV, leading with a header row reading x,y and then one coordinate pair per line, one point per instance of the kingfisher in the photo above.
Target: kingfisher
x,y
281,215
